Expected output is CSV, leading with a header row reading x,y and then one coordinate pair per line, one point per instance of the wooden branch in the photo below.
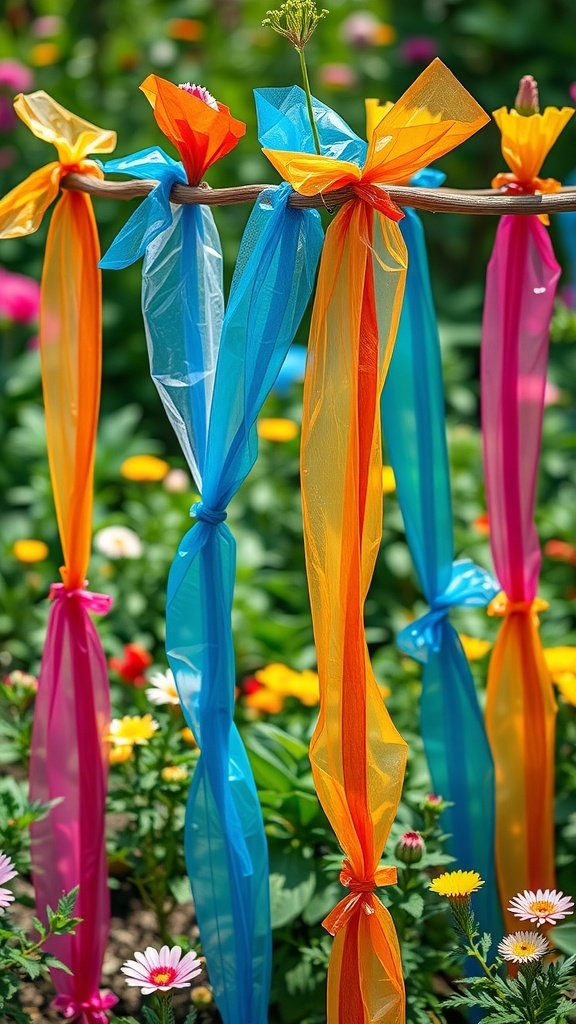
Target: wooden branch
x,y
480,202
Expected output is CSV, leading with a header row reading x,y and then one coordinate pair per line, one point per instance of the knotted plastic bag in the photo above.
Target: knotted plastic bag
x,y
520,711
357,755
69,757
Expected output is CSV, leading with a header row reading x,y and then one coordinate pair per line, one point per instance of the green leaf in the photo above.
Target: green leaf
x,y
180,889
322,902
563,936
191,1016
414,905
292,885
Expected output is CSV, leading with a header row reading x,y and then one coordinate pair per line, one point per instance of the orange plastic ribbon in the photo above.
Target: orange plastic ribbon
x,y
70,313
526,142
358,757
202,134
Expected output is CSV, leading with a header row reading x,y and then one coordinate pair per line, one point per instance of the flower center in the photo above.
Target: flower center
x,y
200,92
542,907
524,948
162,975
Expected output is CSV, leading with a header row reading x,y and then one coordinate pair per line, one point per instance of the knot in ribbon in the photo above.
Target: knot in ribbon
x,y
512,185
93,1009
208,515
501,607
378,198
361,895
470,587
100,604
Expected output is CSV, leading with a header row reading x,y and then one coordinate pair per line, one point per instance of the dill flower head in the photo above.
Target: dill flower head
x,y
297,20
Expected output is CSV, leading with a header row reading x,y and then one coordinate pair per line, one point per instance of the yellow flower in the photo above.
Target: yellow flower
x,y
44,54
474,649
174,773
384,35
119,753
264,700
526,142
30,550
277,429
560,661
456,885
132,730
388,480
144,468
188,737
201,995
285,682
566,683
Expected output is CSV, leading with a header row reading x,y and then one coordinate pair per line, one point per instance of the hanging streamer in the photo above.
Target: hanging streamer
x,y
413,422
213,370
68,757
520,713
358,757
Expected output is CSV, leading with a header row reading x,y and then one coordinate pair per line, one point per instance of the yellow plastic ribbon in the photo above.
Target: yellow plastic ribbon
x,y
358,757
70,313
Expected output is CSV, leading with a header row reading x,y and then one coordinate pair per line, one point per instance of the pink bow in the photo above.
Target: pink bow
x,y
98,603
93,1008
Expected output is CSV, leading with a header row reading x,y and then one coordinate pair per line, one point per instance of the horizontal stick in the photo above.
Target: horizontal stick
x,y
481,202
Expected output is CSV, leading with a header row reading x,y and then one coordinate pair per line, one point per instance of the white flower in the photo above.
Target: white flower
x,y
177,481
118,542
163,689
546,906
523,947
7,871
154,971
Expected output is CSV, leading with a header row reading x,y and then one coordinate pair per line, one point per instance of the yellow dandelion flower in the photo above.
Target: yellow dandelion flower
x,y
285,682
388,480
456,885
271,429
560,660
119,754
144,468
566,684
174,773
30,551
132,730
474,649
188,737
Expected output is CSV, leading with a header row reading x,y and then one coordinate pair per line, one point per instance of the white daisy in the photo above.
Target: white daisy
x,y
154,971
163,689
523,947
546,906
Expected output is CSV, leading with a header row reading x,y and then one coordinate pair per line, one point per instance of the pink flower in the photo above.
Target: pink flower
x,y
7,871
572,91
19,297
337,76
14,76
546,906
359,29
154,971
418,49
201,92
47,25
410,848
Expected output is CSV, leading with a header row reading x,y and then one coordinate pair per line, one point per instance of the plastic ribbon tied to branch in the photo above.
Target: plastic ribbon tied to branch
x,y
520,712
213,367
357,755
69,758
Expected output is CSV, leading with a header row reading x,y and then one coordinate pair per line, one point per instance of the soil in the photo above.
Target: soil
x,y
132,927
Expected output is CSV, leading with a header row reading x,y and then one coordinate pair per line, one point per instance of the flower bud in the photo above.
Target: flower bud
x,y
527,99
411,848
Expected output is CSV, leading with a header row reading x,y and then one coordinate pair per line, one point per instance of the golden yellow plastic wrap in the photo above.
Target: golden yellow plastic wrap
x,y
70,313
358,757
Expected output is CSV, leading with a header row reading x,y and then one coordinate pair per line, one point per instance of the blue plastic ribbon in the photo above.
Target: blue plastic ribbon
x,y
452,726
567,224
213,370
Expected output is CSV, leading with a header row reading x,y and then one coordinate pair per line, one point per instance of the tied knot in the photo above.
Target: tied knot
x,y
470,587
361,895
100,604
377,197
501,607
208,515
93,1009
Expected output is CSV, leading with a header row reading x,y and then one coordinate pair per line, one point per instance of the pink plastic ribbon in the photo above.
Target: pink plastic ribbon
x,y
69,762
90,1010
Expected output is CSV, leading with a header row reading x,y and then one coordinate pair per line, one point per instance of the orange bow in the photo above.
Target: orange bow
x,y
361,895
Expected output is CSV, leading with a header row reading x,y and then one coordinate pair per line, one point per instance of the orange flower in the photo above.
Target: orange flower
x,y
186,30
482,524
201,133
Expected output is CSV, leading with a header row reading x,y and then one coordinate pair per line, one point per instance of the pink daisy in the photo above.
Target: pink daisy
x,y
154,971
546,906
7,871
201,92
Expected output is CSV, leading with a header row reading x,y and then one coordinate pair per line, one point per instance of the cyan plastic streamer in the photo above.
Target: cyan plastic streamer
x,y
452,726
213,370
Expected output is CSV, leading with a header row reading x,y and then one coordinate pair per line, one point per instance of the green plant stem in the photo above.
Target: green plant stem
x,y
164,1001
306,82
